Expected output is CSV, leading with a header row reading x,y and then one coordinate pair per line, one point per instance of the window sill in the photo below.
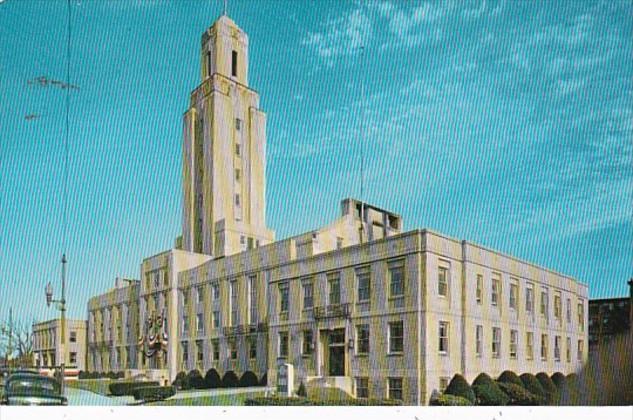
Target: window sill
x,y
362,355
443,353
395,354
306,355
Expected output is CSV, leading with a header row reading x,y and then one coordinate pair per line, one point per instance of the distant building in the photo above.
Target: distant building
x,y
360,304
608,318
46,340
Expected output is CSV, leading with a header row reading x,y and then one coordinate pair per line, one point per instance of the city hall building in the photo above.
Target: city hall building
x,y
359,304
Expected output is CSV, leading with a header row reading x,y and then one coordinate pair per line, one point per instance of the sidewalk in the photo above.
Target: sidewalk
x,y
218,391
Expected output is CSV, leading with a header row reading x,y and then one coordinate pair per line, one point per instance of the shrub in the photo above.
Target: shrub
x,y
111,375
490,394
230,380
548,385
195,379
212,379
532,384
450,400
559,380
518,395
248,379
460,388
301,392
264,380
154,393
572,379
126,388
120,375
298,401
483,379
181,381
510,377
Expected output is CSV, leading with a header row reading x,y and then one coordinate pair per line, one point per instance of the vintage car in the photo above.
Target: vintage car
x,y
32,389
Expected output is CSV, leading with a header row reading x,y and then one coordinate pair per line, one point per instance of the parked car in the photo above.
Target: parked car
x,y
32,389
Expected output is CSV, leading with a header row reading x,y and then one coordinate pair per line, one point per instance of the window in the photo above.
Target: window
x,y
308,295
208,63
156,280
514,295
199,351
396,278
581,316
73,358
237,200
496,286
283,344
307,342
363,278
557,348
215,344
395,388
444,383
362,339
283,297
396,332
544,303
568,311
252,349
568,350
252,303
200,324
185,324
581,346
185,298
233,302
237,175
216,291
166,278
529,299
543,346
234,63
185,354
514,337
199,294
442,281
557,307
529,345
233,350
334,285
479,292
479,332
216,319
362,387
443,337
496,342
238,124
73,336
339,243
237,149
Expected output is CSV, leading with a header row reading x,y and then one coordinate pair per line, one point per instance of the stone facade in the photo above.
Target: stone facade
x,y
46,339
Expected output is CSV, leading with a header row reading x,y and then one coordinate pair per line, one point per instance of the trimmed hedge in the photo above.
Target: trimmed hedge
x,y
450,400
230,380
264,380
548,385
294,401
559,380
460,388
490,394
154,393
483,379
533,385
518,395
510,377
195,379
248,379
119,389
181,381
212,379
301,392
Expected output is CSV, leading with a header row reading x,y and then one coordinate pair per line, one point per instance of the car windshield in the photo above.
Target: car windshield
x,y
33,385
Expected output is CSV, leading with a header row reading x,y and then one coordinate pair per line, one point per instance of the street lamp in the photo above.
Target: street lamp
x,y
62,309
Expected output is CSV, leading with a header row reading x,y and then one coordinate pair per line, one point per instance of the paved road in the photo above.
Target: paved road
x,y
83,397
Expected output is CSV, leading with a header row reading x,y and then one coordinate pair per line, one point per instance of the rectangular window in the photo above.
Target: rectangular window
x,y
362,387
308,295
363,277
514,295
529,298
185,324
185,354
216,350
396,332
199,351
480,285
396,279
237,200
395,388
307,342
568,311
283,344
216,319
73,336
514,337
334,286
73,358
283,297
581,316
529,345
216,291
237,149
233,350
544,303
252,349
557,348
443,337
568,350
543,346
496,289
581,346
233,293
199,294
557,306
479,333
200,324
442,281
234,63
362,339
496,342
252,304
238,124
237,175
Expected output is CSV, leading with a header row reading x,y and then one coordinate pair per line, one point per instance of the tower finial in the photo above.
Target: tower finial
x,y
225,4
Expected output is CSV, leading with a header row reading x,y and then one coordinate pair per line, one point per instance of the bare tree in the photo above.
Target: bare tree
x,y
16,340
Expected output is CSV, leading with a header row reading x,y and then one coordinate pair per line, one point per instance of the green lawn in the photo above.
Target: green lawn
x,y
98,386
211,400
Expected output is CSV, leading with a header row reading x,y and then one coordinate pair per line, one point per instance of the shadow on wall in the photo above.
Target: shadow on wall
x,y
607,379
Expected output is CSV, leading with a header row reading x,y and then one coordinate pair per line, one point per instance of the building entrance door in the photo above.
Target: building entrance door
x,y
337,352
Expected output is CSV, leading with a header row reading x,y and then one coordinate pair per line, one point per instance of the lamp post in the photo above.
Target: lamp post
x,y
62,309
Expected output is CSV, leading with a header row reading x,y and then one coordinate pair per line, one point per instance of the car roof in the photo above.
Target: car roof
x,y
30,375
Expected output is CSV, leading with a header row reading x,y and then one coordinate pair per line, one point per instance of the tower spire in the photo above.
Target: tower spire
x,y
225,7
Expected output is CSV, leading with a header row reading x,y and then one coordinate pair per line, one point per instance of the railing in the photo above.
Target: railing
x,y
341,310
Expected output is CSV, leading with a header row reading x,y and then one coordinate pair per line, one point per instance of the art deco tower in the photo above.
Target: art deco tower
x,y
224,151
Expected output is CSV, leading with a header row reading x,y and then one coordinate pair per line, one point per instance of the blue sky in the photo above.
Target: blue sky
x,y
505,123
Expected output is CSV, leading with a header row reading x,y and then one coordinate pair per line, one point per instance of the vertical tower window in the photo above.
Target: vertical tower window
x,y
208,63
234,63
